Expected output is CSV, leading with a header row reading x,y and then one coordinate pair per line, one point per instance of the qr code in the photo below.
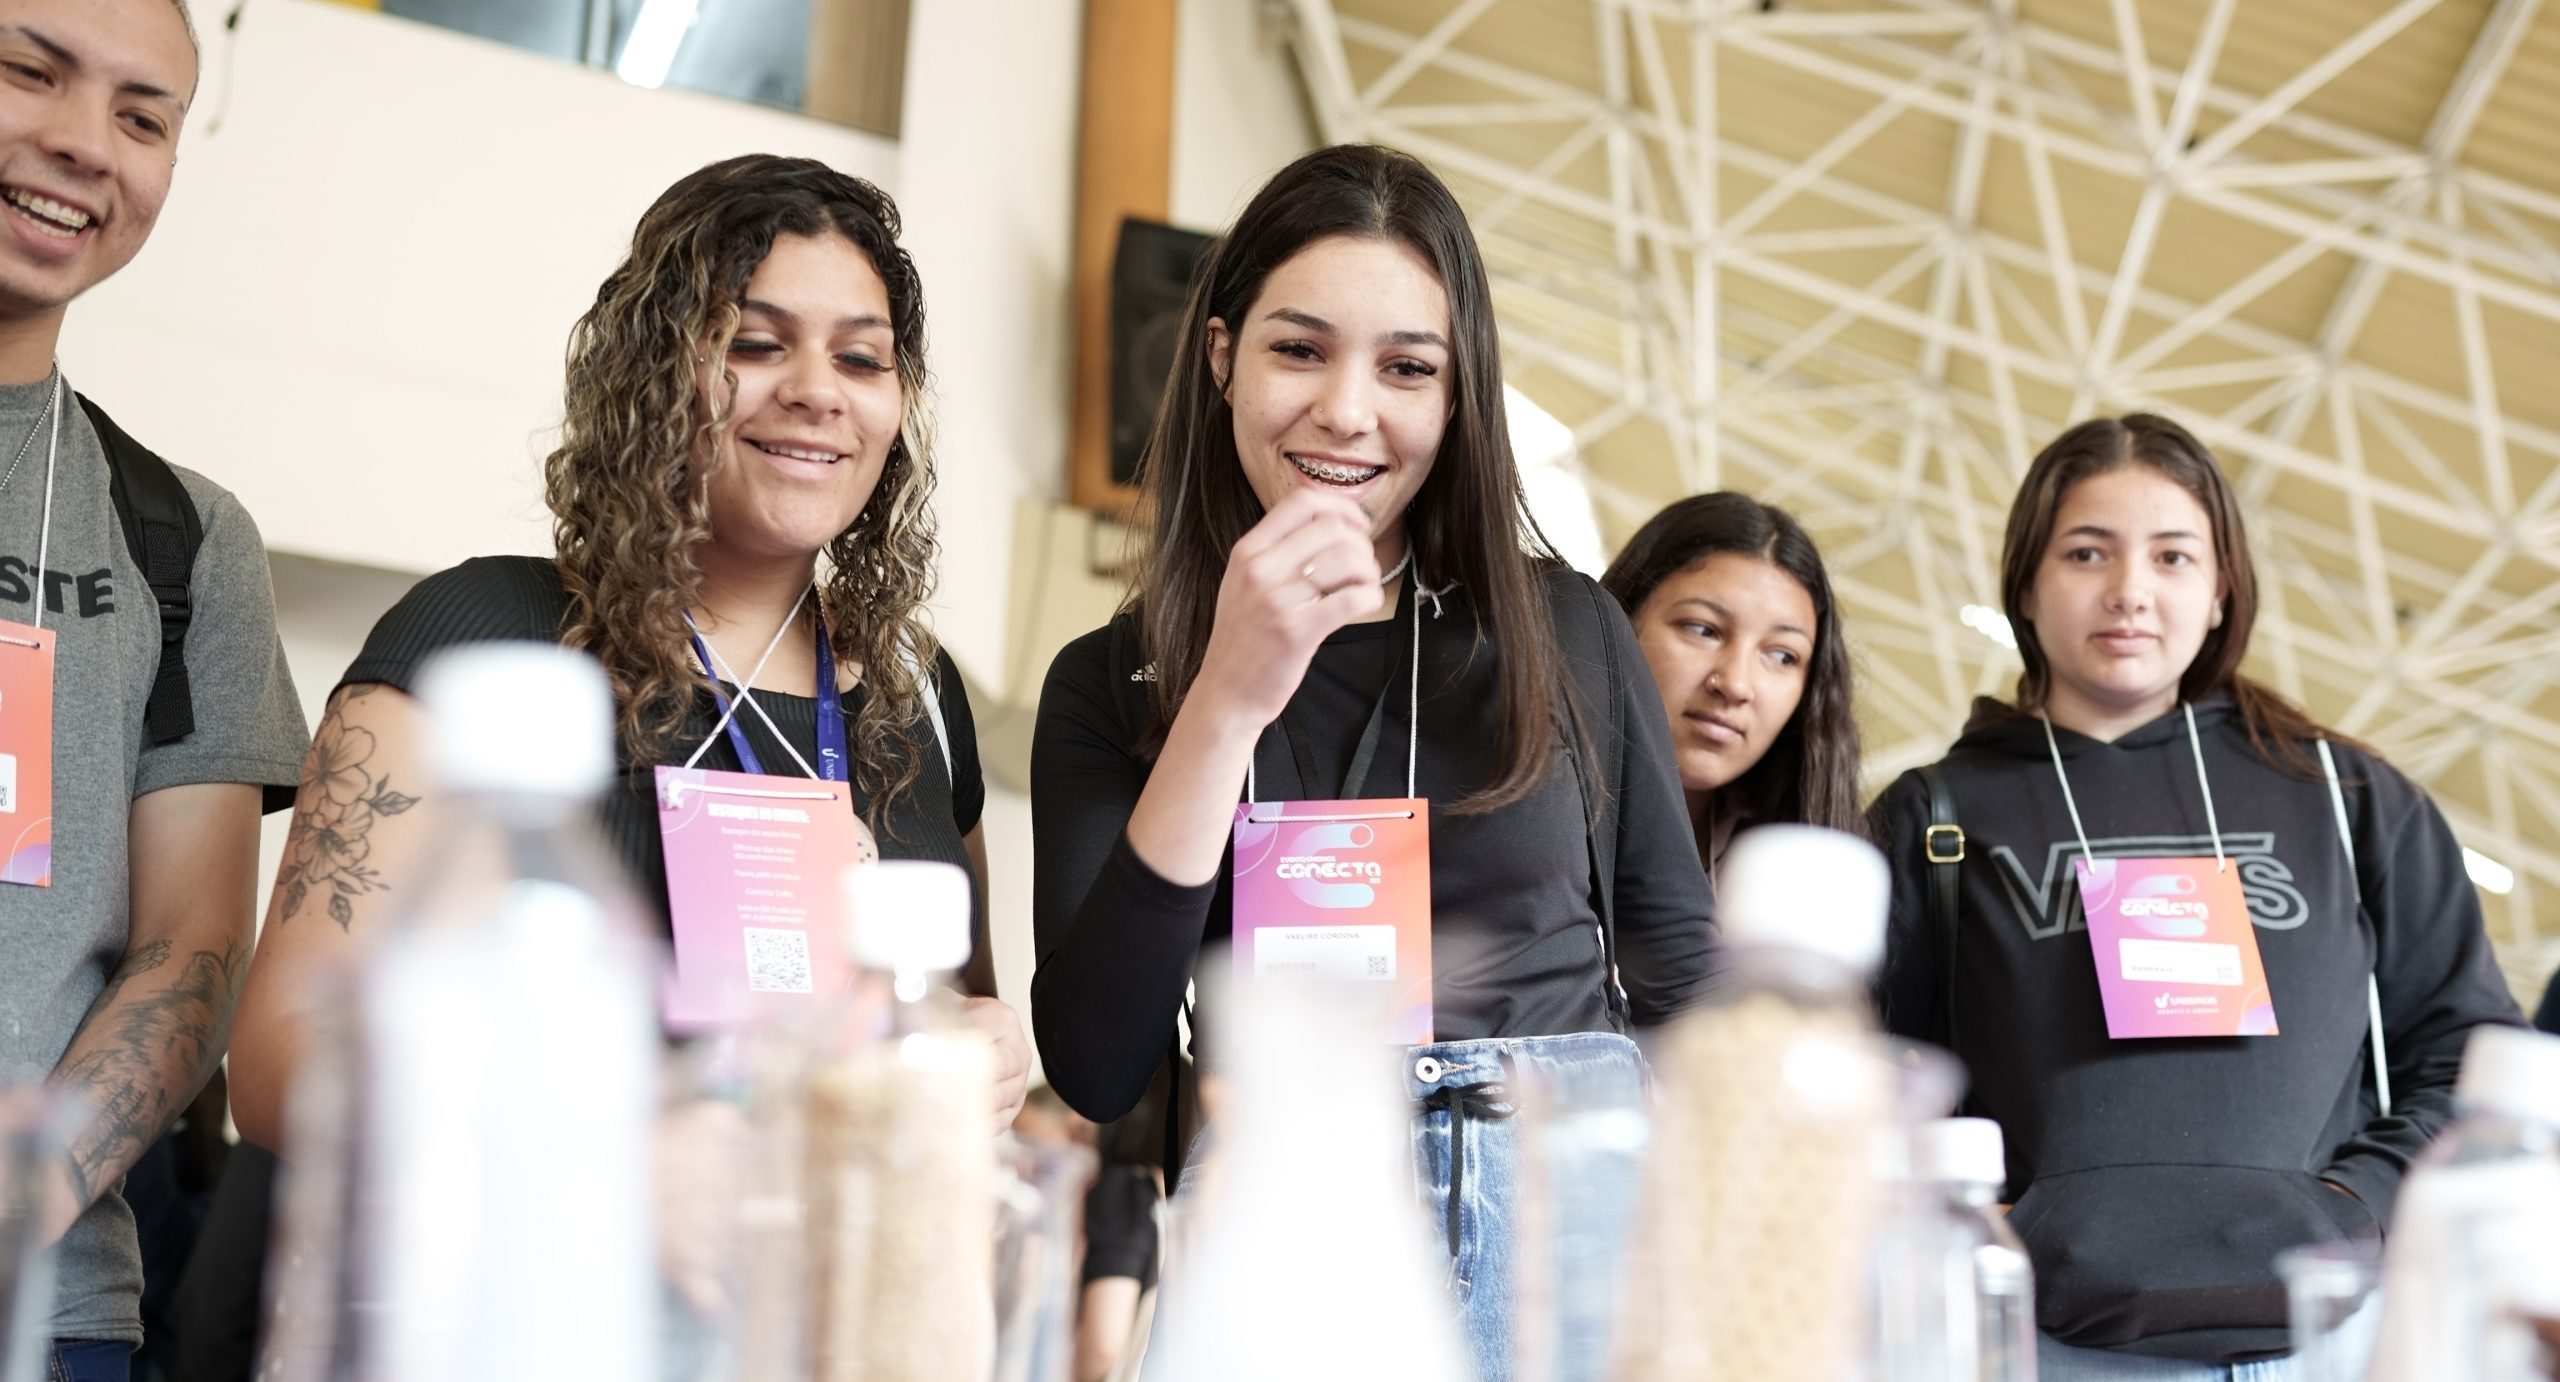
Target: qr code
x,y
778,961
1382,967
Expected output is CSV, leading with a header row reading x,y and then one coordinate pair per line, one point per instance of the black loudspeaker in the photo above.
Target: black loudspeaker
x,y
1150,278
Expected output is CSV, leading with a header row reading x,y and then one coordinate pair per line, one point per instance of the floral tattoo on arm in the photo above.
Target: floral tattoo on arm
x,y
342,799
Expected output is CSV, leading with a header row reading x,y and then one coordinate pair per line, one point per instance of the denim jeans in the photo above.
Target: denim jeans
x,y
2057,1362
89,1360
2063,1363
1576,1149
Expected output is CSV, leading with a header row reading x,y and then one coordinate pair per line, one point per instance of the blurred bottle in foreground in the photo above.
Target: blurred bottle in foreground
x,y
1755,1238
901,1168
469,1194
1955,1295
1302,1250
36,1127
2470,1256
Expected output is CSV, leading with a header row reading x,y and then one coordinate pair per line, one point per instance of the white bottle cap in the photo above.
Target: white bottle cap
x,y
1801,885
1958,1151
906,915
526,718
2512,1070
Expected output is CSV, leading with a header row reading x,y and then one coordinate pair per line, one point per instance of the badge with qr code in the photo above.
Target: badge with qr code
x,y
1339,891
755,873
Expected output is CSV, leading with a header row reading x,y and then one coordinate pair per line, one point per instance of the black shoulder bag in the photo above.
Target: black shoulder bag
x,y
1942,844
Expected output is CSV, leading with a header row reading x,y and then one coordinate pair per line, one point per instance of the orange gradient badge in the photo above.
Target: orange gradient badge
x,y
26,755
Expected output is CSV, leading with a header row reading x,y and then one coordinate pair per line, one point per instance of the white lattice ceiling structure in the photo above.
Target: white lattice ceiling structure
x,y
1863,257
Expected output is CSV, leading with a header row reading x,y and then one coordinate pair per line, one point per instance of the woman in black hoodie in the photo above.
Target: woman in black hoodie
x,y
2154,1180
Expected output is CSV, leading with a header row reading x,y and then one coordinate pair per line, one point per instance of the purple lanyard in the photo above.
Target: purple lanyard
x,y
832,762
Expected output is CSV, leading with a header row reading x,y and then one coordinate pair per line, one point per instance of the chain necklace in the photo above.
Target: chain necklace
x,y
51,397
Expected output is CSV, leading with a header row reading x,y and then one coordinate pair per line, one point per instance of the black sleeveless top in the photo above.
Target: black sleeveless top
x,y
496,599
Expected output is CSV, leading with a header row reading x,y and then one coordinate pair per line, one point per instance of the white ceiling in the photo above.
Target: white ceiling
x,y
1902,242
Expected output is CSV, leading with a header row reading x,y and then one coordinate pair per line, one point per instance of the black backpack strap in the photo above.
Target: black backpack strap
x,y
163,532
1942,844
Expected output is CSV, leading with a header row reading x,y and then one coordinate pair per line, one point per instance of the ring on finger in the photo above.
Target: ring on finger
x,y
1307,573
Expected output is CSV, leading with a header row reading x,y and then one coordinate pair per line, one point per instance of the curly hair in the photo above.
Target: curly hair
x,y
639,438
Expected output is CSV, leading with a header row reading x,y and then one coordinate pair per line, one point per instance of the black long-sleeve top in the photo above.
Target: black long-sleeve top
x,y
1516,936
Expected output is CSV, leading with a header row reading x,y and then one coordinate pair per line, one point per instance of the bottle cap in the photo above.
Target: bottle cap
x,y
1959,1151
528,718
1803,886
906,915
2512,1070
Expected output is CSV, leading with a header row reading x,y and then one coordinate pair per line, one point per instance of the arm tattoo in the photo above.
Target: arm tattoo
x,y
137,1045
342,799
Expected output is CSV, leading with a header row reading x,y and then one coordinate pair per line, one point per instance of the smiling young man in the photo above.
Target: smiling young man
x,y
125,932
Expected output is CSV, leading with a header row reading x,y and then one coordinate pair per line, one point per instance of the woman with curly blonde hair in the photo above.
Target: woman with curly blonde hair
x,y
741,483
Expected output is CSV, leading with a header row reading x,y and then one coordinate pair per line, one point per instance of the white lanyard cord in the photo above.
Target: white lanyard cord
x,y
1412,713
1413,691
745,697
2065,779
44,534
2372,984
2194,744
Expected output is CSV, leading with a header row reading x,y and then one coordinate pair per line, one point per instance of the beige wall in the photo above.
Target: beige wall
x,y
1238,115
353,311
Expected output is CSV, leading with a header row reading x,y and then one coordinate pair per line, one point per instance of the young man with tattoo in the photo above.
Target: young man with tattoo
x,y
122,952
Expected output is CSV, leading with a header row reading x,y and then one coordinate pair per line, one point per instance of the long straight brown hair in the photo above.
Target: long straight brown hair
x,y
1468,523
2278,729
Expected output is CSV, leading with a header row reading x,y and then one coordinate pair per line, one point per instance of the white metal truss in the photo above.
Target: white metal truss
x,y
1885,364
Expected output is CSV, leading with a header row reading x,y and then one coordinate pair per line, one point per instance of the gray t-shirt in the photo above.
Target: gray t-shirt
x,y
59,944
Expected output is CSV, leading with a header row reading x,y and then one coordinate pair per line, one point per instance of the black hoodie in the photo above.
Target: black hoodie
x,y
2155,1180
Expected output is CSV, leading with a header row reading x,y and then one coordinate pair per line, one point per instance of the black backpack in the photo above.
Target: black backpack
x,y
163,532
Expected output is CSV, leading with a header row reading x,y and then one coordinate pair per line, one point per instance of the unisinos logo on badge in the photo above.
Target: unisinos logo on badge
x,y
1339,891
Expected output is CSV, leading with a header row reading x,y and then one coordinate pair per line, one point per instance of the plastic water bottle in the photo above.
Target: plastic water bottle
x,y
1758,1232
902,1160
1301,1250
2470,1252
469,1160
1955,1293
33,1135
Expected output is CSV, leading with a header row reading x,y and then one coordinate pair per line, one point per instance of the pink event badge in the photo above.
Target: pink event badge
x,y
755,869
1339,890
2177,955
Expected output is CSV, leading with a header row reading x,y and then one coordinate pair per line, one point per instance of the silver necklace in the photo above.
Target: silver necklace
x,y
53,395
1398,570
